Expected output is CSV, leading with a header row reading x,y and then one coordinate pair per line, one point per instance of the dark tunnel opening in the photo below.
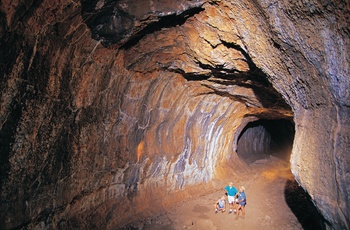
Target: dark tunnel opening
x,y
263,138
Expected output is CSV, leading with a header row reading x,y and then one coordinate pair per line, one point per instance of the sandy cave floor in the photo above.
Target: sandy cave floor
x,y
274,201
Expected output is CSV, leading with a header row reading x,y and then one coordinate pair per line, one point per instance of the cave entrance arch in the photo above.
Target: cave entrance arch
x,y
263,138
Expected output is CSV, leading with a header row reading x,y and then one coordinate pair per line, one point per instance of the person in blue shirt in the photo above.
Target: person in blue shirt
x,y
242,201
220,205
231,193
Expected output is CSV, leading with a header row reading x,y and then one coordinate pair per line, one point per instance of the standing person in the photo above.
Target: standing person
x,y
220,205
231,192
242,201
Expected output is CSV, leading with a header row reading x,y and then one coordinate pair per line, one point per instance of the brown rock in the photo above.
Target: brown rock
x,y
109,107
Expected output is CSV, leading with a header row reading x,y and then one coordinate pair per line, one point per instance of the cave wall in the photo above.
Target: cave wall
x,y
106,103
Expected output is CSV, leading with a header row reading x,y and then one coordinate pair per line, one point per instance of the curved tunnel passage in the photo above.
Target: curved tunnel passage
x,y
262,138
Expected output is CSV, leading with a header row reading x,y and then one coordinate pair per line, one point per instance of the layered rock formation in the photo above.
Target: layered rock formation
x,y
105,104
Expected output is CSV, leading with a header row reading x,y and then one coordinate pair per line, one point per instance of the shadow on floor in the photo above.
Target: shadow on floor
x,y
301,205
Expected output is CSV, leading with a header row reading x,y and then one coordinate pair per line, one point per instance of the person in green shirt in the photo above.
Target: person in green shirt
x,y
231,193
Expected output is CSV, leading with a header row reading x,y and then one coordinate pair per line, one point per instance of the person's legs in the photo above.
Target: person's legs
x,y
219,208
243,211
231,202
235,206
238,209
223,208
241,207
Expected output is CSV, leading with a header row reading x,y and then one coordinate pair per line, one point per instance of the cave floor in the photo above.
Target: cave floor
x,y
274,201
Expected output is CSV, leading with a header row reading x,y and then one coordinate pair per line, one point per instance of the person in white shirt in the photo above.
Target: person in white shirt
x,y
220,205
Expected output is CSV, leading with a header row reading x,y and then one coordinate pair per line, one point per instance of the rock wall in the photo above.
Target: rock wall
x,y
107,107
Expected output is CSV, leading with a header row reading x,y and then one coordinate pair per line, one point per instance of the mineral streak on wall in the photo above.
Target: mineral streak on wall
x,y
108,108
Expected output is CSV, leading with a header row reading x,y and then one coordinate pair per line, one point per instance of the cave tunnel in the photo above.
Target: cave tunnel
x,y
261,138
116,113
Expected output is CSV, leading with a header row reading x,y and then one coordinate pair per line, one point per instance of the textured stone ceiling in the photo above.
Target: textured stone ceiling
x,y
107,102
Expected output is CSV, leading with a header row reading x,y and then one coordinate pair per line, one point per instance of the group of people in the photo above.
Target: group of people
x,y
236,200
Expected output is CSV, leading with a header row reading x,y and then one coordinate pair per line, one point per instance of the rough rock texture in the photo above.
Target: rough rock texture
x,y
107,107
